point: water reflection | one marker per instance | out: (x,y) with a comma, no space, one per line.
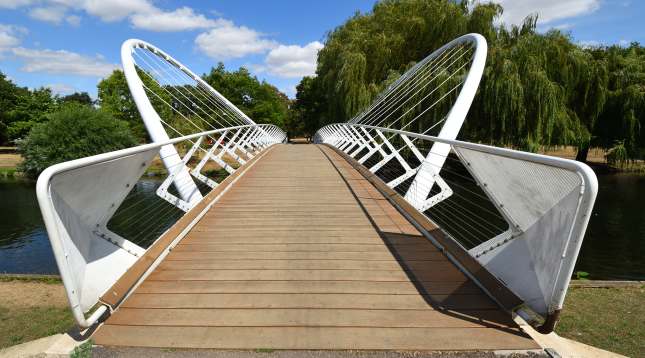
(24,247)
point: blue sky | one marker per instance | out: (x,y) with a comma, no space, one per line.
(69,45)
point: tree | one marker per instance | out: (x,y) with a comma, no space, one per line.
(114,98)
(538,89)
(262,102)
(78,97)
(73,131)
(9,98)
(308,109)
(31,108)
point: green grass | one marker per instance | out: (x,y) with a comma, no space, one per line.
(8,172)
(26,324)
(51,279)
(607,318)
(82,351)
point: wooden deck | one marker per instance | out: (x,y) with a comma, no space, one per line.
(304,253)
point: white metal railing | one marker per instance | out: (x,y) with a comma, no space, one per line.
(520,215)
(100,218)
(103,212)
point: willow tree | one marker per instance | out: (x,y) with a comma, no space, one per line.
(538,89)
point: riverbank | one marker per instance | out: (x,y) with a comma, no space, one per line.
(32,307)
(609,318)
(9,161)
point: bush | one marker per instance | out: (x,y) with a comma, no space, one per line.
(72,132)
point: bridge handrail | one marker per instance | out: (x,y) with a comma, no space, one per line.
(79,197)
(535,257)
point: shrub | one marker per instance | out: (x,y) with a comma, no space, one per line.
(72,132)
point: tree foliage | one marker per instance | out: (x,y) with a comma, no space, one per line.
(114,98)
(21,109)
(538,89)
(261,101)
(73,131)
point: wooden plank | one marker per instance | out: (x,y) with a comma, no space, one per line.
(452,275)
(449,339)
(389,265)
(299,255)
(319,247)
(356,287)
(324,317)
(308,300)
(311,238)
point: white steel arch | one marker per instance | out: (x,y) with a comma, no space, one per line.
(153,123)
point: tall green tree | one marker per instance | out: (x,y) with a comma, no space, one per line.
(538,89)
(31,108)
(114,98)
(259,100)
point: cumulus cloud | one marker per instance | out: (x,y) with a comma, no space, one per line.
(142,14)
(227,41)
(178,20)
(548,10)
(52,14)
(114,10)
(293,61)
(63,62)
(14,4)
(10,36)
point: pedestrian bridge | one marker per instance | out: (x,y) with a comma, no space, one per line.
(380,236)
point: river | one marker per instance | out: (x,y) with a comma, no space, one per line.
(614,246)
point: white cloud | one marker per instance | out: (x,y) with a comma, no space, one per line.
(178,20)
(14,4)
(61,88)
(114,10)
(63,62)
(293,61)
(9,36)
(227,41)
(548,10)
(52,14)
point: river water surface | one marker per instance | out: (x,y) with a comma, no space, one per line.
(614,247)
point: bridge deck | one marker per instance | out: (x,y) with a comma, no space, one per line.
(304,253)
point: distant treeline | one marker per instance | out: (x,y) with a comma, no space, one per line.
(49,128)
(538,89)
(21,108)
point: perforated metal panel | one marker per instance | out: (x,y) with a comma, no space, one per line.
(524,191)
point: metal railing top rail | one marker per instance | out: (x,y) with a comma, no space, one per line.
(79,197)
(559,204)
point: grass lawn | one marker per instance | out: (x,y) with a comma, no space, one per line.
(32,308)
(609,318)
